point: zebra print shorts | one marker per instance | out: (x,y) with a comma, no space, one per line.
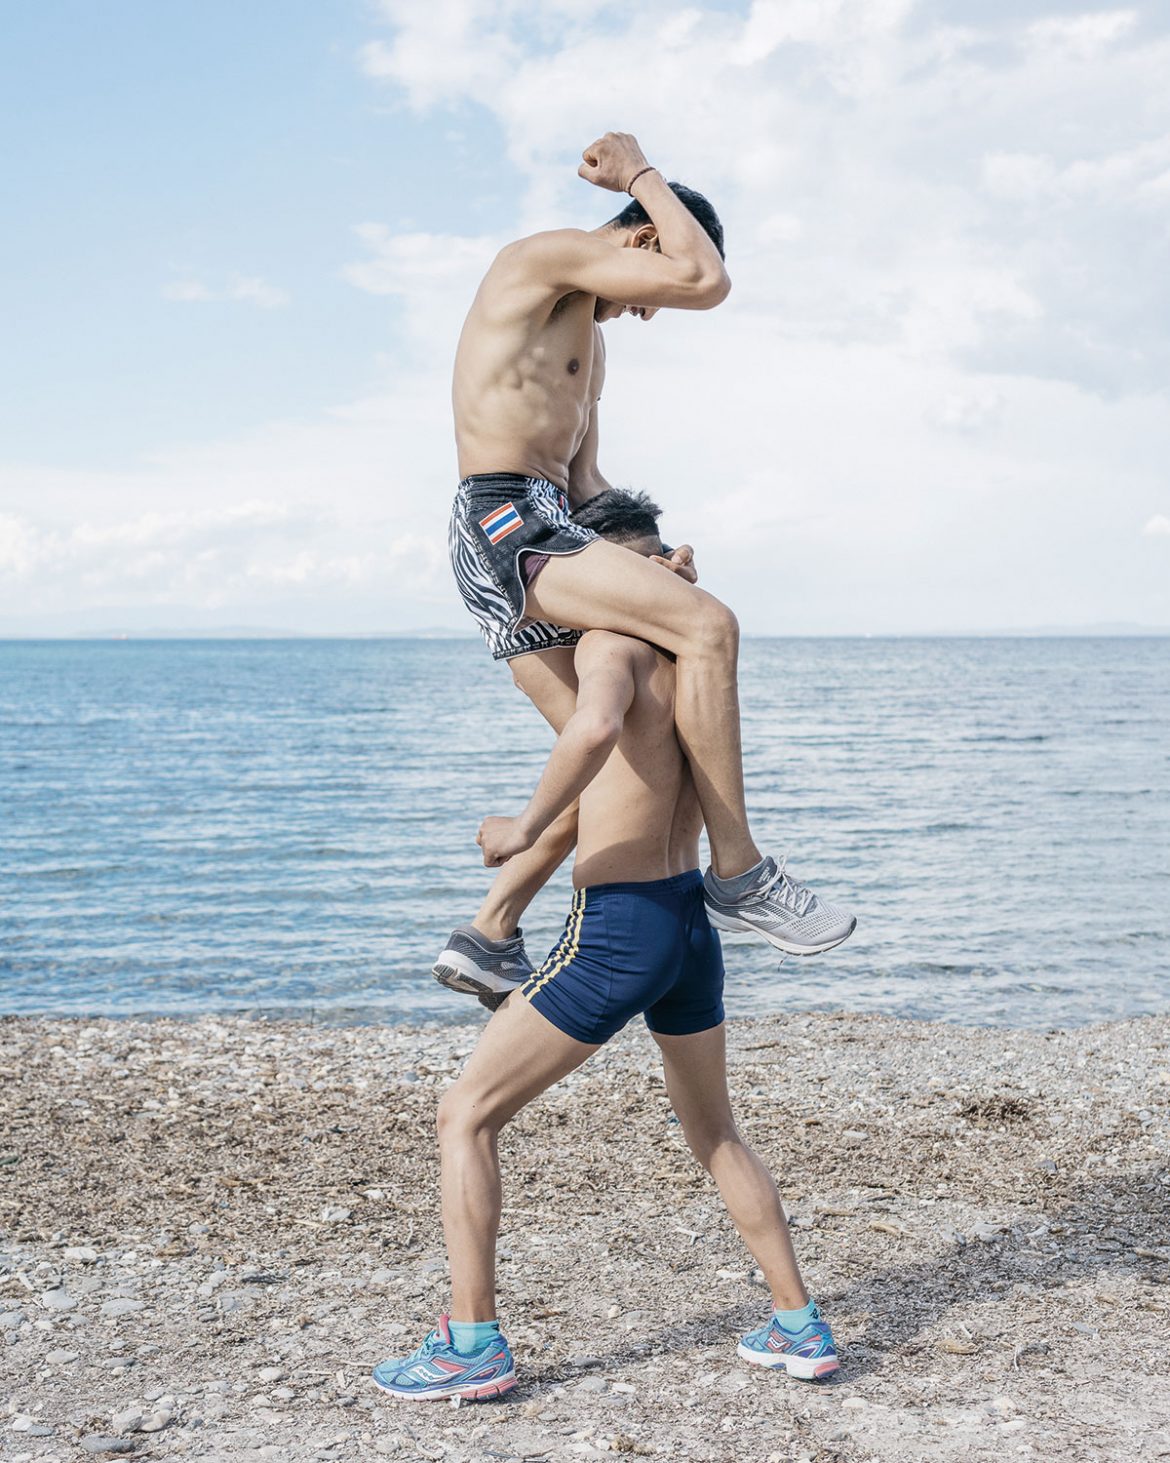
(497,518)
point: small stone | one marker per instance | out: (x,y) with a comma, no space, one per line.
(988,1233)
(1047,1166)
(156,1421)
(61,1358)
(198,1228)
(10,1320)
(272,1374)
(613,1313)
(127,1421)
(855,1135)
(854,1403)
(1084,1329)
(57,1300)
(97,1443)
(83,1254)
(335,1213)
(591,1384)
(39,1430)
(122,1306)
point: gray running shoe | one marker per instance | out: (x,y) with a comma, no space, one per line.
(489,969)
(785,913)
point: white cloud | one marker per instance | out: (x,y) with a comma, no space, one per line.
(1157,527)
(1083,36)
(434,275)
(208,558)
(250,289)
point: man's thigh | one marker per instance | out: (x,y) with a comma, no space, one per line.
(549,680)
(605,587)
(695,1068)
(519,1055)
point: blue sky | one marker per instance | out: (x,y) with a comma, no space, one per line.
(154,144)
(241,239)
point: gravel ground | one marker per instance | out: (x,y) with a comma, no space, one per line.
(210,1231)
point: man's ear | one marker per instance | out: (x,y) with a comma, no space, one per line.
(647,238)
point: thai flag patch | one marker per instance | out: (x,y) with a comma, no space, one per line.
(501,522)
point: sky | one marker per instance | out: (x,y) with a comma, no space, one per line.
(240,241)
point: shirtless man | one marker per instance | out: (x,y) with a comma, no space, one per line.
(528,375)
(637,941)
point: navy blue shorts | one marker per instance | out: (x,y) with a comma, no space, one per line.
(628,950)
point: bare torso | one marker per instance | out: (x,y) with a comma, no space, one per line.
(528,371)
(639,817)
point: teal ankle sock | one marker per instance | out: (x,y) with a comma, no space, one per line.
(795,1320)
(468,1337)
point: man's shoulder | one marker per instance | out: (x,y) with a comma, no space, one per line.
(547,252)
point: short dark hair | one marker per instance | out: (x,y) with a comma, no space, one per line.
(620,515)
(633,216)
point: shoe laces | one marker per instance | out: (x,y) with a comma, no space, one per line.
(427,1349)
(792,896)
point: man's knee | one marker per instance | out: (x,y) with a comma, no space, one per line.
(705,1139)
(716,630)
(460,1116)
(455,1114)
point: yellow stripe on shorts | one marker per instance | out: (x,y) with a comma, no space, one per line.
(564,951)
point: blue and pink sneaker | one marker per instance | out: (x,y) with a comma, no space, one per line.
(808,1353)
(437,1370)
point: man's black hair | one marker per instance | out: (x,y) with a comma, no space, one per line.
(620,515)
(633,216)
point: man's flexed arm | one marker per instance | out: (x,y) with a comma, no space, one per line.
(617,162)
(680,268)
(605,674)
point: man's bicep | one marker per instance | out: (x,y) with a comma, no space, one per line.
(571,259)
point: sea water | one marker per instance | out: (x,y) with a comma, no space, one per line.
(287,827)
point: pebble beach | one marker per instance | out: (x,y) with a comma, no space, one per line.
(211,1230)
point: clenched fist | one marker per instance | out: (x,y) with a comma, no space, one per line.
(612,161)
(501,839)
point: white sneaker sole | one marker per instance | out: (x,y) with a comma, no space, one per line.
(804,1368)
(481,1392)
(460,973)
(733,924)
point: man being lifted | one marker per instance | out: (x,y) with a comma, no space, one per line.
(528,374)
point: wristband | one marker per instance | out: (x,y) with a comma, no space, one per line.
(649,168)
